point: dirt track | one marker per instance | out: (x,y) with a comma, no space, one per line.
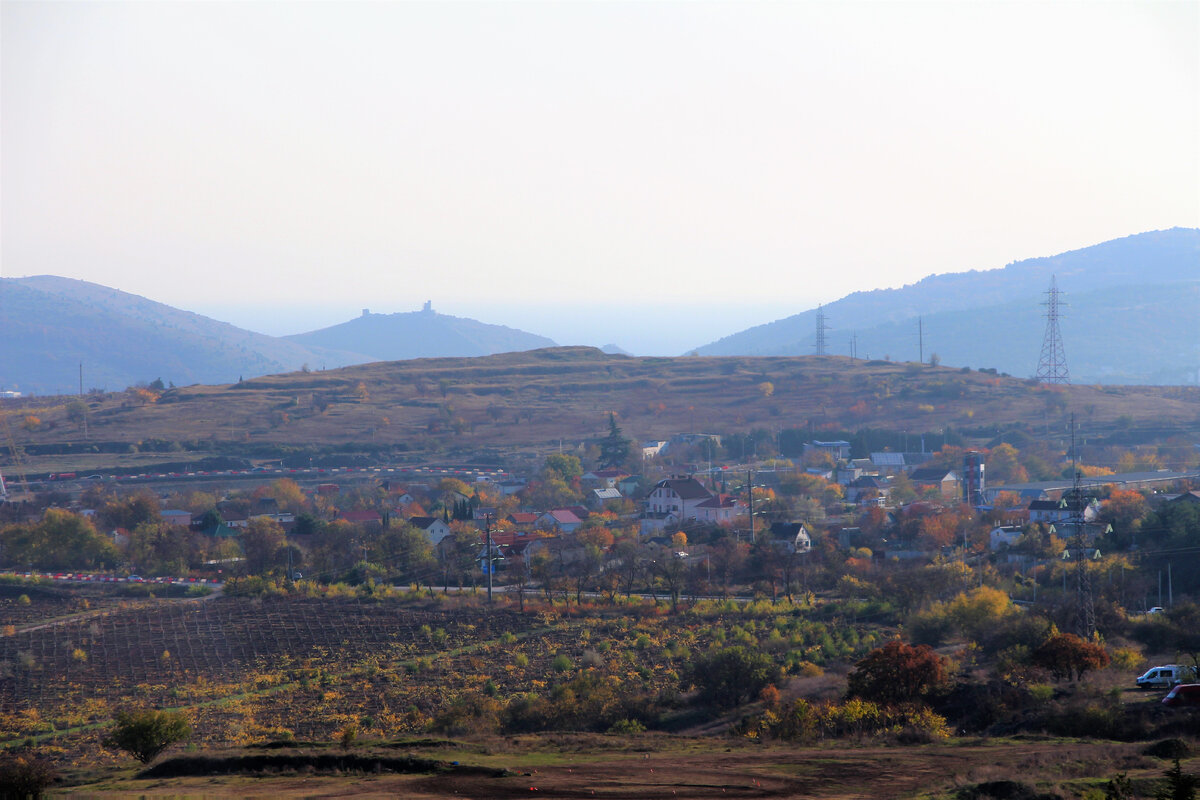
(825,773)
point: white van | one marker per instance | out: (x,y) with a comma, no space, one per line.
(1166,676)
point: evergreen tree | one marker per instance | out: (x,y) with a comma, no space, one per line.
(1179,785)
(614,448)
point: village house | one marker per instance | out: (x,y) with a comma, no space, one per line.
(720,509)
(523,519)
(867,488)
(790,537)
(434,528)
(601,496)
(679,496)
(651,449)
(510,486)
(173,516)
(1004,536)
(1053,512)
(945,481)
(560,519)
(837,451)
(603,478)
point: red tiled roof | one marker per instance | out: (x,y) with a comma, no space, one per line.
(719,501)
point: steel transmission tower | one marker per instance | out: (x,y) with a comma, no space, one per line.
(822,329)
(1052,366)
(1085,607)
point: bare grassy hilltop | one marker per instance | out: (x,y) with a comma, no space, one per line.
(537,398)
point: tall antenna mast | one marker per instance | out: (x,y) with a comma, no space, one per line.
(921,339)
(822,329)
(1052,366)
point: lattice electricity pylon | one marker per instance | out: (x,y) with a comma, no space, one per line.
(1085,607)
(822,329)
(1052,366)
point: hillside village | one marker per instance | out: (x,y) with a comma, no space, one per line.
(722,586)
(565,524)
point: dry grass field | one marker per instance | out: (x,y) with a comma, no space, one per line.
(535,399)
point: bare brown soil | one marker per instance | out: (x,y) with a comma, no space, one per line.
(711,769)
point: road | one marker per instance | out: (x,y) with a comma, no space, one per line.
(74,482)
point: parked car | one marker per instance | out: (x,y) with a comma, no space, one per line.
(1166,676)
(1183,696)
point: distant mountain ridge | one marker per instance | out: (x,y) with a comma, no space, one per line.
(420,334)
(51,325)
(1132,315)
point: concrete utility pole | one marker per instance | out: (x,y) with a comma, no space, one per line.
(487,529)
(750,500)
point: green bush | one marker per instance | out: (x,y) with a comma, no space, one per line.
(627,726)
(730,676)
(145,734)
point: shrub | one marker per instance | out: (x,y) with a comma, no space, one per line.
(897,673)
(24,776)
(1127,659)
(1041,693)
(807,669)
(931,627)
(627,726)
(1066,655)
(348,736)
(729,676)
(145,734)
(923,726)
(1169,748)
(470,712)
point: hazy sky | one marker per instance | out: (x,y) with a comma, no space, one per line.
(706,166)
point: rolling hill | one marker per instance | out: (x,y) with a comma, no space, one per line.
(517,403)
(1131,315)
(420,334)
(51,325)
